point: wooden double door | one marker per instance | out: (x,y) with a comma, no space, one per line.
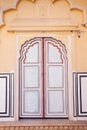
(43,79)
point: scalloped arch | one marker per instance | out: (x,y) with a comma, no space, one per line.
(14,6)
(72,6)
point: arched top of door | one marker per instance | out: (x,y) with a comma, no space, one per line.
(49,40)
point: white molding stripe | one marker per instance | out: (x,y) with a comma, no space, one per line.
(70,94)
(11,95)
(75,96)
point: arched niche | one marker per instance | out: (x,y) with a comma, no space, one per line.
(4,7)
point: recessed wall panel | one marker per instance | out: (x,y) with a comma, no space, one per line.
(6,97)
(84,93)
(81,88)
(3,93)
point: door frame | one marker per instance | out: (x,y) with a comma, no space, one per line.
(62,50)
(69,54)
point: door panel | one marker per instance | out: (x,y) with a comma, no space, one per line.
(31,101)
(32,56)
(55,75)
(55,101)
(43,79)
(53,54)
(31,76)
(55,83)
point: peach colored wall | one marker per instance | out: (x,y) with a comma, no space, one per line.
(26,9)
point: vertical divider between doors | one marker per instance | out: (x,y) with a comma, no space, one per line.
(43,75)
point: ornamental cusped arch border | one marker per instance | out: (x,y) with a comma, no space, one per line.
(14,7)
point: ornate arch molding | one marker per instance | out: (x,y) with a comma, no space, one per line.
(29,43)
(14,6)
(76,7)
(6,9)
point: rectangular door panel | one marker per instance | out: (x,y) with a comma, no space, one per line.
(31,102)
(31,76)
(55,74)
(55,102)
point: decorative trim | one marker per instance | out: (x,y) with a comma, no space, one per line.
(14,7)
(59,45)
(81,113)
(61,57)
(77,92)
(63,126)
(50,24)
(75,95)
(7,77)
(29,62)
(26,46)
(9,107)
(76,7)
(11,94)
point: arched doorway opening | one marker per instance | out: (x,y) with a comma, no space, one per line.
(43,79)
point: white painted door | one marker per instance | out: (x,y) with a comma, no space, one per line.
(43,79)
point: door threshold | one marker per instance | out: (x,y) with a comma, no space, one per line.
(42,122)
